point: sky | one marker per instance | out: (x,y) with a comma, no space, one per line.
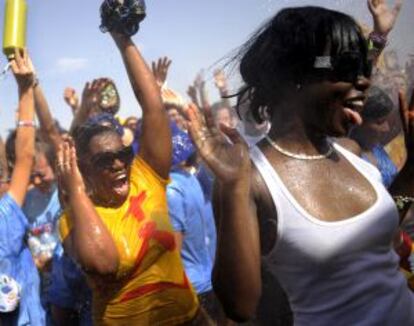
(68,49)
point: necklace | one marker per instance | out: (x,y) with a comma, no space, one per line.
(300,156)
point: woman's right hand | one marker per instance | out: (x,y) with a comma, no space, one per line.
(229,161)
(70,179)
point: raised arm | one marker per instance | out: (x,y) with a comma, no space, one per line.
(90,102)
(384,18)
(220,81)
(236,274)
(89,241)
(155,142)
(47,124)
(24,146)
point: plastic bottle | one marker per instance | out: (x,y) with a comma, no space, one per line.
(14,34)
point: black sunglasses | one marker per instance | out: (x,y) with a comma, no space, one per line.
(345,67)
(105,160)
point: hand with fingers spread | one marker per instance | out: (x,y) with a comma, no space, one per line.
(383,15)
(407,119)
(69,177)
(71,98)
(23,70)
(160,70)
(220,155)
(91,95)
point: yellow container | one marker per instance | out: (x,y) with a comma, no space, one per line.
(14,33)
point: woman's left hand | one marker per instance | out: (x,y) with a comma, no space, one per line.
(384,17)
(407,120)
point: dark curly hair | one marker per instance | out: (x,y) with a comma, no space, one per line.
(283,52)
(83,134)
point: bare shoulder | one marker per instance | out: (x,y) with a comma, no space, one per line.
(349,144)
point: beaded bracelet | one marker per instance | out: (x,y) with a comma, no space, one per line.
(403,201)
(26,123)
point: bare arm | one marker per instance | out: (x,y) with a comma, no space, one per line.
(47,124)
(384,19)
(236,275)
(90,102)
(89,241)
(220,81)
(24,146)
(155,144)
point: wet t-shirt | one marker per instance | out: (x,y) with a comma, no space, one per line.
(151,287)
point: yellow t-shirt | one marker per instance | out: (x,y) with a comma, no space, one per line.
(151,287)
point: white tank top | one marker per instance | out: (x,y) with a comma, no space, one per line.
(338,273)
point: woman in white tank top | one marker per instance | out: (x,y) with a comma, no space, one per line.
(318,215)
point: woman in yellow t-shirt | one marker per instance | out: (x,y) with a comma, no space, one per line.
(116,223)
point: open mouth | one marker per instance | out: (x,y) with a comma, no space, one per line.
(121,184)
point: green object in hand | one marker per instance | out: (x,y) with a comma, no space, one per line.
(14,33)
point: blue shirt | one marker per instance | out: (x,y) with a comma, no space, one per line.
(384,164)
(42,208)
(69,289)
(16,261)
(191,216)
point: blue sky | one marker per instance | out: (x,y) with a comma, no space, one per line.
(68,48)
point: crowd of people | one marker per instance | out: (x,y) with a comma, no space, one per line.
(288,202)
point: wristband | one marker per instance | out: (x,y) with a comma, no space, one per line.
(26,123)
(376,41)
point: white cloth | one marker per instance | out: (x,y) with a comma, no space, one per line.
(338,273)
(9,293)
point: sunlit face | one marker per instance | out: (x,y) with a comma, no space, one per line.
(333,108)
(106,168)
(177,118)
(42,176)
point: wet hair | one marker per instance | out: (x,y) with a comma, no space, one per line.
(282,52)
(378,105)
(83,134)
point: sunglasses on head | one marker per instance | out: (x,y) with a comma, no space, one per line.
(105,160)
(345,67)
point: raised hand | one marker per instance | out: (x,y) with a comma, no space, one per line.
(192,93)
(229,161)
(160,70)
(407,119)
(384,17)
(70,179)
(220,80)
(23,69)
(71,98)
(91,96)
(199,81)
